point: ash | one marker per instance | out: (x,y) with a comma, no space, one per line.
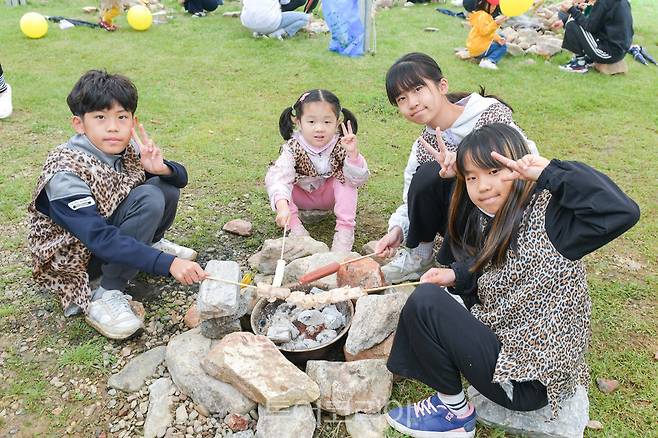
(293,328)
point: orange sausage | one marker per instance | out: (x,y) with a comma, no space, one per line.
(319,273)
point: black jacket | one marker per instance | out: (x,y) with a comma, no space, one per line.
(610,22)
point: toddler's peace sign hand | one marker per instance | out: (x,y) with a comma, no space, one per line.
(443,156)
(527,168)
(349,140)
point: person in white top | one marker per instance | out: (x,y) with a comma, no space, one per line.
(416,85)
(265,18)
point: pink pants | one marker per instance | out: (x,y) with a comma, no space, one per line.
(333,195)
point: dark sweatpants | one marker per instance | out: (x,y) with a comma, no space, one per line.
(194,6)
(581,42)
(309,5)
(146,213)
(437,340)
(428,201)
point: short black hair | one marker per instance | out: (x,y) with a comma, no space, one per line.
(98,90)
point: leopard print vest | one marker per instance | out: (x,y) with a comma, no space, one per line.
(538,305)
(304,166)
(59,258)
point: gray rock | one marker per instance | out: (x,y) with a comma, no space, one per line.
(314,216)
(571,421)
(159,415)
(217,298)
(299,267)
(375,317)
(133,375)
(295,247)
(242,434)
(217,328)
(181,415)
(514,49)
(366,425)
(350,387)
(296,421)
(548,45)
(510,34)
(183,358)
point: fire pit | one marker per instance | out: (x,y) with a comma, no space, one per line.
(312,341)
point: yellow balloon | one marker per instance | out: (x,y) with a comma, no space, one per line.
(513,8)
(139,17)
(33,25)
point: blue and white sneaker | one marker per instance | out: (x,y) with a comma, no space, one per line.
(430,418)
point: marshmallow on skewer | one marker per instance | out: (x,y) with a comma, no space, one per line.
(272,293)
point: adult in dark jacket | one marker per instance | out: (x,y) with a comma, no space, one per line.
(603,36)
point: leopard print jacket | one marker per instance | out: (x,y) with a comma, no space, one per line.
(304,165)
(538,305)
(496,113)
(59,258)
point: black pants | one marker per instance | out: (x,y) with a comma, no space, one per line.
(309,5)
(146,213)
(580,42)
(428,201)
(194,6)
(437,340)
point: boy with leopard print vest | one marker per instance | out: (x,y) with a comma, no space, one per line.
(101,207)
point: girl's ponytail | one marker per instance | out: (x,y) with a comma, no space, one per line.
(349,117)
(285,123)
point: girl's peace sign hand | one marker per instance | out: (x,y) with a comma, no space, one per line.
(443,156)
(527,168)
(349,140)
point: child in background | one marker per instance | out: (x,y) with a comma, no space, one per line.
(6,107)
(319,167)
(519,226)
(265,18)
(101,207)
(483,42)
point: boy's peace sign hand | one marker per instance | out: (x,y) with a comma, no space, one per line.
(150,155)
(443,156)
(349,140)
(527,168)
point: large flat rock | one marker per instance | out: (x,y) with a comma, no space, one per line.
(135,373)
(299,267)
(159,415)
(375,318)
(216,298)
(350,387)
(183,357)
(295,247)
(255,366)
(294,422)
(570,423)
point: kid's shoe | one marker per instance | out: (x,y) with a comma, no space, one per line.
(277,34)
(198,14)
(405,267)
(174,249)
(6,107)
(107,26)
(578,64)
(298,231)
(343,241)
(112,315)
(488,64)
(430,418)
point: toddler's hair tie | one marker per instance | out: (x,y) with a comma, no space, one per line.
(303,96)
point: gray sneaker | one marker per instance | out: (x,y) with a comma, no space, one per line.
(405,267)
(112,315)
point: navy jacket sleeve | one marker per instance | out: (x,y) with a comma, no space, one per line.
(178,177)
(106,241)
(586,211)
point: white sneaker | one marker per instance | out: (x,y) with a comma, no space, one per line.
(487,63)
(172,248)
(6,107)
(405,267)
(112,316)
(343,241)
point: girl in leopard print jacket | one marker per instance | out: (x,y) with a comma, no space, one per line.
(519,225)
(319,166)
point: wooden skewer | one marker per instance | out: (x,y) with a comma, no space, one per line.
(376,289)
(237,283)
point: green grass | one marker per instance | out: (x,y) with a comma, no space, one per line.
(211,96)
